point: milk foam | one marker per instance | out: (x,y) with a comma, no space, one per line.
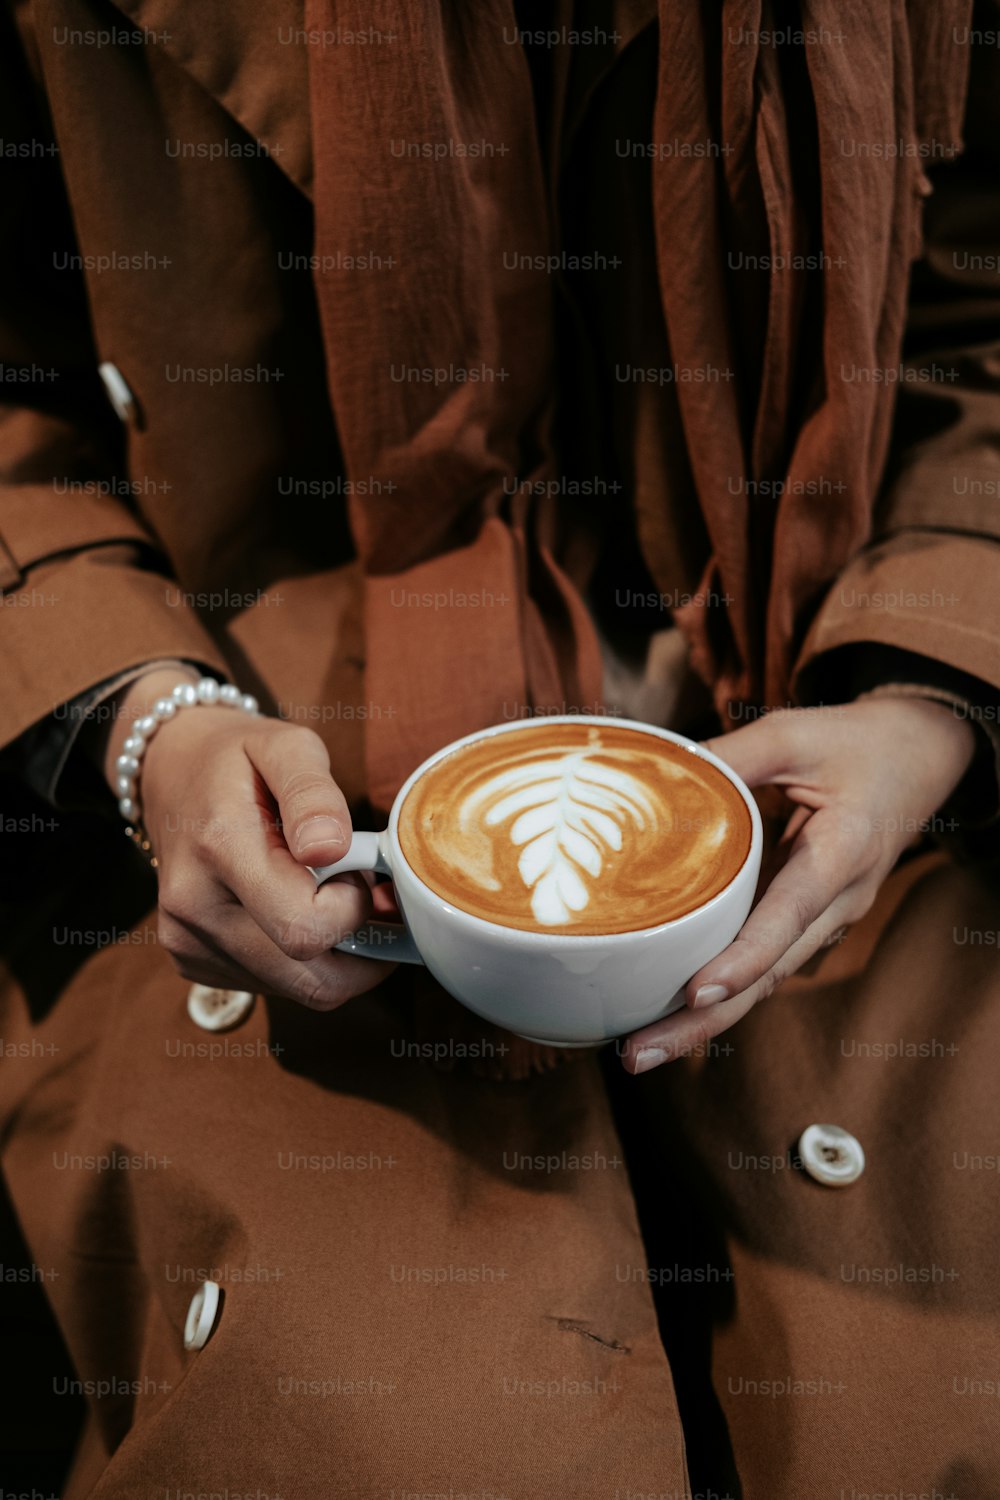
(576,828)
(565,811)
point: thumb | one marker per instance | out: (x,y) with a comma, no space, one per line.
(759,752)
(314,815)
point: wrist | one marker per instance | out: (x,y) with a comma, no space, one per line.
(134,702)
(937,710)
(205,692)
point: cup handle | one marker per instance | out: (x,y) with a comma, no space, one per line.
(369,851)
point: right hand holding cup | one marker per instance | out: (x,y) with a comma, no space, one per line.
(236,809)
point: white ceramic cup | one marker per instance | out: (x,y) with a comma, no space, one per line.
(570,991)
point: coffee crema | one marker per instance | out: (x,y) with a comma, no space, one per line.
(575,829)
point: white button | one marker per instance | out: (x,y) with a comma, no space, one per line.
(830,1155)
(119,395)
(218,1010)
(201,1315)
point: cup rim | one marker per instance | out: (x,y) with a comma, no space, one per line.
(583,939)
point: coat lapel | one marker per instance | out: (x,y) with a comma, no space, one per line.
(252,58)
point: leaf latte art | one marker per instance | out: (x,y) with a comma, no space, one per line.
(573,828)
(565,813)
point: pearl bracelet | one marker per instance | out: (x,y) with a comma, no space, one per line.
(206,692)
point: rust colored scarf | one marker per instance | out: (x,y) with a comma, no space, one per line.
(440,358)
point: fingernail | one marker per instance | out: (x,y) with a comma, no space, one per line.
(710,994)
(316,831)
(649,1057)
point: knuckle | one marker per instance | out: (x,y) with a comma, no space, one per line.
(299,739)
(754,954)
(697,1040)
(868,860)
(860,901)
(301,939)
(293,733)
(768,983)
(750,944)
(178,943)
(174,907)
(300,789)
(212,837)
(803,912)
(312,990)
(799,916)
(184,891)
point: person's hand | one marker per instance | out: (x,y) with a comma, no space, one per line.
(865,779)
(236,808)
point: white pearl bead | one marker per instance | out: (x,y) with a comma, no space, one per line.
(185,694)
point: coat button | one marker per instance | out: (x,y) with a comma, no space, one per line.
(830,1155)
(201,1315)
(118,392)
(218,1010)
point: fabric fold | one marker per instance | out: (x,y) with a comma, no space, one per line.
(440,371)
(441,363)
(430,169)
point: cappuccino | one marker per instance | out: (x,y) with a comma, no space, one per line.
(575,828)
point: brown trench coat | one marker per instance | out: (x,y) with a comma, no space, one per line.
(435,1282)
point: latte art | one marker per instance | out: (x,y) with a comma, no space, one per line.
(575,828)
(565,814)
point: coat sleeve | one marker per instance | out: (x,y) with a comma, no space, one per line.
(85,592)
(928,584)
